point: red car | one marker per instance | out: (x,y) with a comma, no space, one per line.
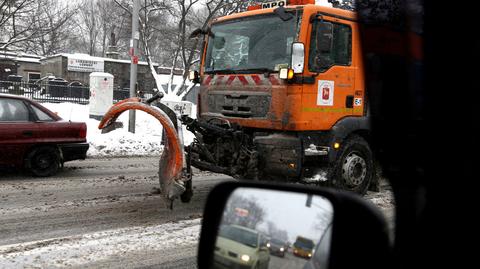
(37,139)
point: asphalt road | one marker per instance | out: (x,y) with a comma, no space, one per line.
(106,213)
(288,262)
(92,196)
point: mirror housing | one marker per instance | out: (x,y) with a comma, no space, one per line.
(359,233)
(199,31)
(196,33)
(194,76)
(298,57)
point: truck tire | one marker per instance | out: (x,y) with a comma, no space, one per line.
(354,168)
(43,161)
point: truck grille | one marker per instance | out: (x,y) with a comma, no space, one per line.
(239,105)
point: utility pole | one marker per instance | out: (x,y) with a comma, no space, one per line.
(134,61)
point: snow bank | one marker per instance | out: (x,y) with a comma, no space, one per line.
(145,142)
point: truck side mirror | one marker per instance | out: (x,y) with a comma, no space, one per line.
(235,212)
(298,57)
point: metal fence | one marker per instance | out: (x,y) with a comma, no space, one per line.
(56,91)
(49,91)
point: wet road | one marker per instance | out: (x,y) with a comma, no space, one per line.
(104,213)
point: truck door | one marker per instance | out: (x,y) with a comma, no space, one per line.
(332,96)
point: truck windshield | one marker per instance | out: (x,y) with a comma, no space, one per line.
(251,44)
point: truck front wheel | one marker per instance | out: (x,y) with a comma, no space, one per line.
(354,168)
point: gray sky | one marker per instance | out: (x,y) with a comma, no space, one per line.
(288,211)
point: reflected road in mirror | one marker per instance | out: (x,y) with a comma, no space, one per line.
(274,229)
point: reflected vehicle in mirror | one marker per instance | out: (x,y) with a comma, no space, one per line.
(277,247)
(303,247)
(257,223)
(240,247)
(253,225)
(320,254)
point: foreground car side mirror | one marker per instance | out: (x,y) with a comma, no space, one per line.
(325,228)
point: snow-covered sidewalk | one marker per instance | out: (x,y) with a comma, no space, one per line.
(145,142)
(98,246)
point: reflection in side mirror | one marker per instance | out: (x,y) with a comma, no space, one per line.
(263,228)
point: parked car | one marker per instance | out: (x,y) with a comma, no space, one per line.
(241,247)
(35,138)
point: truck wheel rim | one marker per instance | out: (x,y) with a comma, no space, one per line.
(354,170)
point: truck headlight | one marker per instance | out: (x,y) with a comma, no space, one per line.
(281,249)
(245,258)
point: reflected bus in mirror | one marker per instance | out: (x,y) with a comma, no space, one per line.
(272,229)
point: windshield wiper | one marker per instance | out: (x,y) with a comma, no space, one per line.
(264,70)
(222,71)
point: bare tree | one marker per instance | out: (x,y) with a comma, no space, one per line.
(55,17)
(172,44)
(189,48)
(276,232)
(25,21)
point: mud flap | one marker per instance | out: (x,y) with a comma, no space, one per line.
(171,165)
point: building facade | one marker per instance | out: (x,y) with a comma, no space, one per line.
(26,65)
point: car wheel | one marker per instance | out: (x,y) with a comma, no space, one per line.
(43,161)
(354,168)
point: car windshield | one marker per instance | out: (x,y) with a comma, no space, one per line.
(277,242)
(240,235)
(249,44)
(304,243)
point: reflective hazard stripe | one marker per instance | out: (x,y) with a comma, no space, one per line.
(244,80)
(273,80)
(207,80)
(230,80)
(218,80)
(257,79)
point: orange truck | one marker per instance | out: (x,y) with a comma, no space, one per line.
(282,97)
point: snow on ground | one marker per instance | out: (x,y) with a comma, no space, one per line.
(94,247)
(120,142)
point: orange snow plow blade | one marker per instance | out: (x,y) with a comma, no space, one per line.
(170,172)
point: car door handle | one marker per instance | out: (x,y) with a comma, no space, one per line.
(27,133)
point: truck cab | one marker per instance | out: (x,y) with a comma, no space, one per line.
(290,79)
